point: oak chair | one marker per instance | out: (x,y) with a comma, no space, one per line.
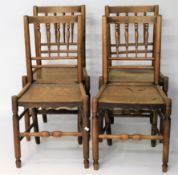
(136,75)
(51,98)
(127,75)
(52,74)
(141,96)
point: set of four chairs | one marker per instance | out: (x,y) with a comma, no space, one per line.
(57,81)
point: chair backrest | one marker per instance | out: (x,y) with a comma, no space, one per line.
(149,10)
(134,46)
(37,25)
(61,11)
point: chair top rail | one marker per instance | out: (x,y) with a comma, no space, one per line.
(58,9)
(132,9)
(52,19)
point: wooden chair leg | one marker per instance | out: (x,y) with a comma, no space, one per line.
(167,124)
(16,131)
(161,127)
(86,131)
(112,119)
(108,126)
(88,93)
(27,123)
(79,125)
(45,119)
(35,121)
(27,115)
(154,127)
(165,84)
(89,111)
(95,142)
(100,82)
(100,123)
(166,135)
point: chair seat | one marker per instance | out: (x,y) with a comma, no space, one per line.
(132,76)
(131,94)
(51,94)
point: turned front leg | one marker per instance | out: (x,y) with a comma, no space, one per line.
(86,131)
(95,137)
(17,147)
(166,136)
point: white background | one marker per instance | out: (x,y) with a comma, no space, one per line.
(64,156)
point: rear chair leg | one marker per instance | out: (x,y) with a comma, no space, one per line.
(27,123)
(89,110)
(161,127)
(45,119)
(166,136)
(35,121)
(95,137)
(79,125)
(154,127)
(165,84)
(100,123)
(108,126)
(16,131)
(111,116)
(86,131)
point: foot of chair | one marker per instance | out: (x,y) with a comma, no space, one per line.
(112,119)
(153,143)
(18,163)
(151,120)
(86,163)
(45,120)
(28,139)
(80,140)
(95,165)
(100,140)
(164,167)
(37,140)
(109,142)
(154,118)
